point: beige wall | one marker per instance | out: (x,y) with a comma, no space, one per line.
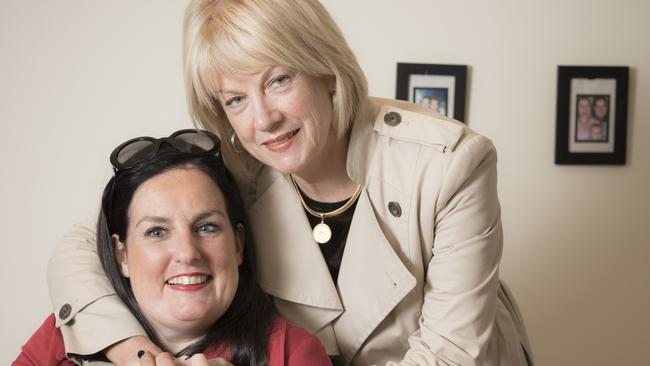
(78,77)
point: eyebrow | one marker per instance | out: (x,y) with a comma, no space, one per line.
(157,219)
(206,214)
(265,75)
(199,217)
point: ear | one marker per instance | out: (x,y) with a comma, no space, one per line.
(240,239)
(120,255)
(330,81)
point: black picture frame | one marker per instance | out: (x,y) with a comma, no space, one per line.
(445,84)
(600,137)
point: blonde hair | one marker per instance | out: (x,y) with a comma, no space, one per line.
(234,37)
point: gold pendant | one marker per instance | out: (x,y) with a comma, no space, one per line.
(322,233)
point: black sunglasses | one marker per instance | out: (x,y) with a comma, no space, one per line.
(141,149)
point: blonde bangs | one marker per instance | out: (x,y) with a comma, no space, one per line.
(222,49)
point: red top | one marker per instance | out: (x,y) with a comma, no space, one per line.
(288,346)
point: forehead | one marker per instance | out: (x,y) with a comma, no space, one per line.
(242,78)
(179,190)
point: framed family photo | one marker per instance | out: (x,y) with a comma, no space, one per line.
(438,87)
(591,121)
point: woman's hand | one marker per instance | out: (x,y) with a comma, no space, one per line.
(125,353)
(166,359)
(200,360)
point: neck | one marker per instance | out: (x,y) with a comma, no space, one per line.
(327,180)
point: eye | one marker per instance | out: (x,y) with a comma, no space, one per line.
(207,228)
(234,101)
(155,232)
(280,81)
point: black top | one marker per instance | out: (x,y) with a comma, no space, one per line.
(339,225)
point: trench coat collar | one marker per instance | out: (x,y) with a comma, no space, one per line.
(372,279)
(289,260)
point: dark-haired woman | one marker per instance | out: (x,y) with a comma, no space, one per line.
(172,241)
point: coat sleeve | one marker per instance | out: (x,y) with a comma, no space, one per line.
(88,312)
(462,279)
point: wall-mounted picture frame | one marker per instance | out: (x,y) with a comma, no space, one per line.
(591,120)
(438,87)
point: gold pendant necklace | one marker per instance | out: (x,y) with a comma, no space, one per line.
(322,232)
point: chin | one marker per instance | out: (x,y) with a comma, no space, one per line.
(287,166)
(193,312)
(287,162)
(191,316)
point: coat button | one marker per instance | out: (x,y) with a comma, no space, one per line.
(65,311)
(395,209)
(392,118)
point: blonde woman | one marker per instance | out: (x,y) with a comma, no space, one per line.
(377,222)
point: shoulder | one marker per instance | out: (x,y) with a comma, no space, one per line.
(407,140)
(297,345)
(44,347)
(412,123)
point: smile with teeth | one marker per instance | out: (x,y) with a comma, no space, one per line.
(188,280)
(282,139)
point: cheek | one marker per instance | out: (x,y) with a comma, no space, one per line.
(238,125)
(242,122)
(224,262)
(147,267)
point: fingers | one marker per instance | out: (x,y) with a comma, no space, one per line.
(162,359)
(165,359)
(147,359)
(219,362)
(199,359)
(125,352)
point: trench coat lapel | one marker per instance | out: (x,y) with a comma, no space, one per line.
(372,280)
(291,265)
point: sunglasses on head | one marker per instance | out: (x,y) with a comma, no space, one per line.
(141,149)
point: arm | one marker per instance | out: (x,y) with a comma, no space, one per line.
(460,293)
(88,312)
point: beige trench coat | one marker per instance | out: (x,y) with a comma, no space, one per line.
(418,283)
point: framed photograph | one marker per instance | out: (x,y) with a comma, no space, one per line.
(438,87)
(591,121)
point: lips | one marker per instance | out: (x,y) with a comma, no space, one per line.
(280,140)
(188,279)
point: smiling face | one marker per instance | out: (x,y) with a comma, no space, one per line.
(600,109)
(282,118)
(182,253)
(584,108)
(435,104)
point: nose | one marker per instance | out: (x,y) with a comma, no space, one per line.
(187,251)
(267,115)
